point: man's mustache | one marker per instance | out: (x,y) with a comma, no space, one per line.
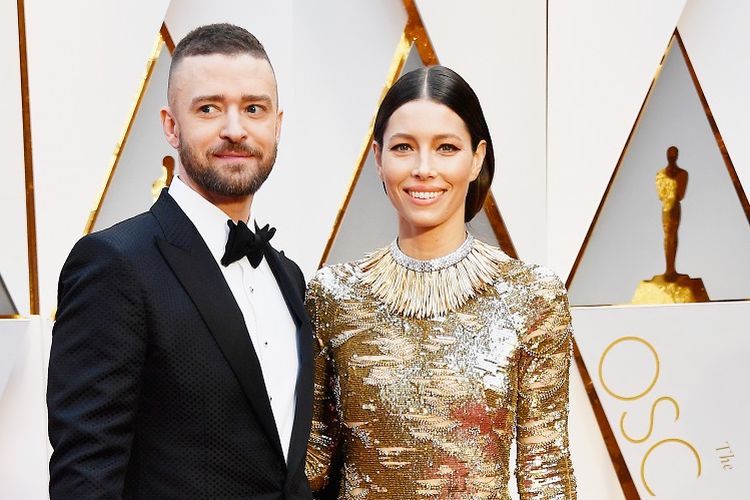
(236,148)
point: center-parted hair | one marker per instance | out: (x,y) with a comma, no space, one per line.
(221,38)
(444,86)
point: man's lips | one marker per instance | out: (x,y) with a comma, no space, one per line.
(233,155)
(233,158)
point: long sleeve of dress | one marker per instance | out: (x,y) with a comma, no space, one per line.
(325,424)
(544,469)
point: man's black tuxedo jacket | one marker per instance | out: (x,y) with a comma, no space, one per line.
(155,390)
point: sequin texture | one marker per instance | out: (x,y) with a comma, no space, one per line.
(430,407)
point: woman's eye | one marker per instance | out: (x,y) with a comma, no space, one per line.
(447,148)
(401,147)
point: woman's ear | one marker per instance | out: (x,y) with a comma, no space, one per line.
(378,152)
(478,159)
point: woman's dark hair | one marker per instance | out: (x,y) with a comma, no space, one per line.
(444,86)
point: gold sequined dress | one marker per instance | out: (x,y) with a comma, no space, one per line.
(428,371)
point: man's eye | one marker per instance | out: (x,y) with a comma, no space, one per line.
(206,108)
(253,108)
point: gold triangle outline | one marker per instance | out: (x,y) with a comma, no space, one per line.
(28,160)
(414,35)
(675,38)
(163,39)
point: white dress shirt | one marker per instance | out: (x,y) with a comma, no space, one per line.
(268,319)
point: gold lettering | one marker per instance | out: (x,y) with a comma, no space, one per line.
(725,447)
(651,420)
(653,380)
(660,443)
(725,458)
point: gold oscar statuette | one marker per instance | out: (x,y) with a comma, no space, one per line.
(670,287)
(167,172)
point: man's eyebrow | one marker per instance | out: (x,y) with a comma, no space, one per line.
(204,98)
(265,98)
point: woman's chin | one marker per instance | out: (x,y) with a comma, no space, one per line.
(421,224)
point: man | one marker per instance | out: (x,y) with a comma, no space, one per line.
(181,357)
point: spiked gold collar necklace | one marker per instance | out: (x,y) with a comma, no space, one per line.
(435,287)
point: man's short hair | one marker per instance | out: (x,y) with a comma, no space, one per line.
(221,38)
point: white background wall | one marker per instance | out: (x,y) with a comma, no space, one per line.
(13,257)
(561,85)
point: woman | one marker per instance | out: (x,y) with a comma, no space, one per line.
(434,353)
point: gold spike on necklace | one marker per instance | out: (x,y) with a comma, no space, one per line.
(429,288)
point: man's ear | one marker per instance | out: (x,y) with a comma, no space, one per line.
(279,120)
(170,127)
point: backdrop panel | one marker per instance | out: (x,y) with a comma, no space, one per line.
(672,383)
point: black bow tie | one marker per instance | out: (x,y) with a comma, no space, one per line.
(243,242)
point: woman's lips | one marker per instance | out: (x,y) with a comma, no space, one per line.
(423,196)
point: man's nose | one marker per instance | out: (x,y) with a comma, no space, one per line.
(233,129)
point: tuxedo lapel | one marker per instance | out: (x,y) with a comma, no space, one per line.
(196,269)
(292,293)
(289,289)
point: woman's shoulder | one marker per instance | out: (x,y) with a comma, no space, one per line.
(330,295)
(537,301)
(336,280)
(527,278)
(529,289)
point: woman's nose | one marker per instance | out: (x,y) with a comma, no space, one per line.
(423,169)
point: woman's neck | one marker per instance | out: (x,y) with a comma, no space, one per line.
(430,243)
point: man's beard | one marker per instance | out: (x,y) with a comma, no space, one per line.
(225,180)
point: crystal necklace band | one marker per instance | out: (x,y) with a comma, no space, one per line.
(423,266)
(429,288)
